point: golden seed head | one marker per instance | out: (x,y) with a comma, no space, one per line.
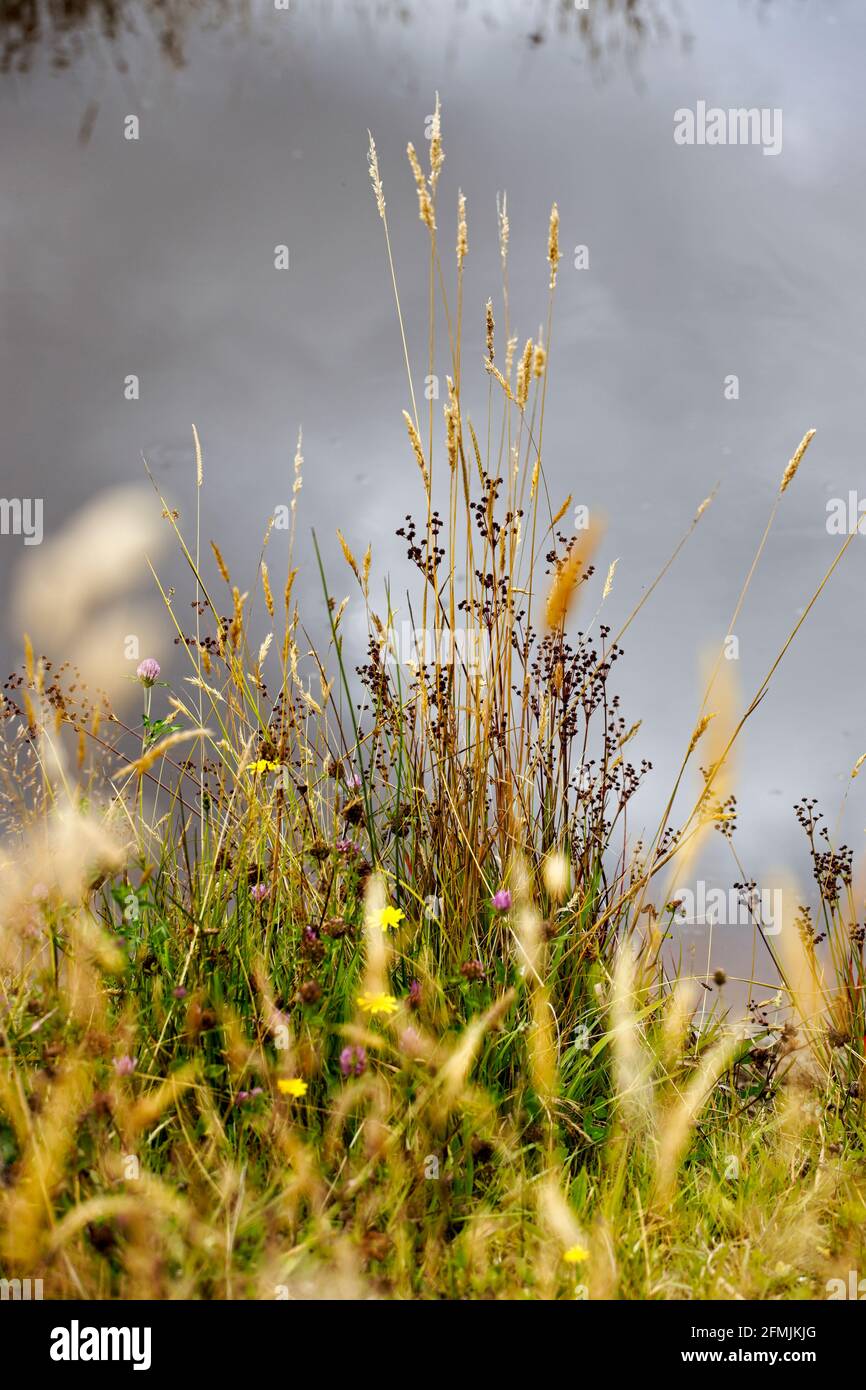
(266,586)
(199,470)
(504,229)
(524,369)
(221,564)
(451,434)
(534,484)
(608,583)
(298,465)
(700,730)
(348,556)
(555,872)
(553,253)
(495,372)
(462,233)
(568,575)
(237,623)
(437,153)
(376,179)
(425,206)
(417,448)
(788,475)
(287,592)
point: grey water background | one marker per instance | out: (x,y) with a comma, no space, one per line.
(156,257)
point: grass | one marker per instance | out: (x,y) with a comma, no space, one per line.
(324,982)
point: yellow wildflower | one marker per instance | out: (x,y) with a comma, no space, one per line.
(292,1086)
(378,1003)
(389,917)
(576,1255)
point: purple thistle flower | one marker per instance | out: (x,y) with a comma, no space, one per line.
(415,994)
(354,780)
(349,847)
(259,891)
(353,1061)
(124,1066)
(180,992)
(502,900)
(148,670)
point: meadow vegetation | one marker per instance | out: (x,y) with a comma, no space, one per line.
(319,981)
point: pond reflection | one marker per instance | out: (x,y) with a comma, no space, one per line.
(63,31)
